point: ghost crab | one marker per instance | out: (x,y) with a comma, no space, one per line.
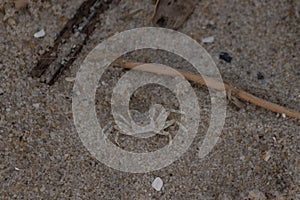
(158,123)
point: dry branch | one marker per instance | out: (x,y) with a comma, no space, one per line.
(212,83)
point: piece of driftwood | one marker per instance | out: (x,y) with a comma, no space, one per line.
(70,41)
(172,13)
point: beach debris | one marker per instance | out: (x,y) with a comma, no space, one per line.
(40,34)
(70,41)
(157,184)
(11,22)
(260,76)
(130,15)
(70,79)
(266,156)
(172,13)
(229,87)
(20,4)
(36,105)
(208,39)
(225,56)
(257,195)
(43,188)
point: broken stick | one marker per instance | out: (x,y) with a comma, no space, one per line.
(212,83)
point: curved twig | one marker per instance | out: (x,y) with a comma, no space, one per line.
(155,9)
(213,83)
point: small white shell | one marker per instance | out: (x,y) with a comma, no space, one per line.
(208,39)
(157,184)
(70,79)
(36,105)
(40,34)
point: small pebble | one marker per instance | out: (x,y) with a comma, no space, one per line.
(225,56)
(208,39)
(284,115)
(20,4)
(243,158)
(266,156)
(257,195)
(260,76)
(1,92)
(70,79)
(105,84)
(40,34)
(36,105)
(42,52)
(157,184)
(11,22)
(17,169)
(42,189)
(52,135)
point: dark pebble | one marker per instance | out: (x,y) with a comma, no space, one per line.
(260,76)
(225,56)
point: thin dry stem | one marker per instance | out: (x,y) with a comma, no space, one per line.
(215,84)
(155,9)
